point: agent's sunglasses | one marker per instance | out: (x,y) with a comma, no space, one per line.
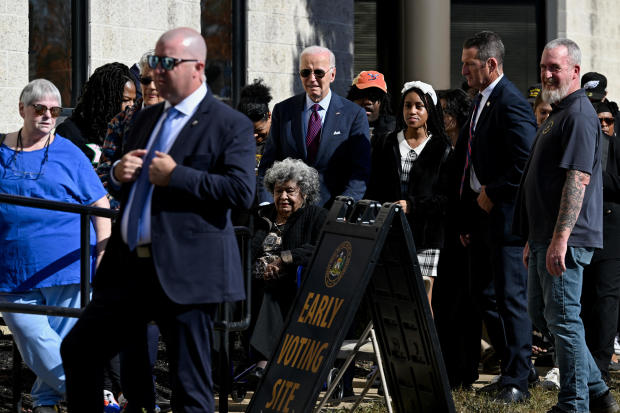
(609,121)
(42,109)
(318,73)
(145,80)
(167,62)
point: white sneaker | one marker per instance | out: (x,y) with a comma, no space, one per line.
(551,380)
(616,346)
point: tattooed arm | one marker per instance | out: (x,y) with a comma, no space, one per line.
(570,205)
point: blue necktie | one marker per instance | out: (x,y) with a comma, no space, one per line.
(143,185)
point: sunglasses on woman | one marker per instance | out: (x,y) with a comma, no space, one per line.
(167,62)
(42,109)
(609,121)
(146,80)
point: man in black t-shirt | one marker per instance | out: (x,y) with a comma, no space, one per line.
(559,211)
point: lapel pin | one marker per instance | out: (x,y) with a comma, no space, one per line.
(488,103)
(195,122)
(337,113)
(337,132)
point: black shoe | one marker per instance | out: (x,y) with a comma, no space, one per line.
(254,377)
(491,389)
(532,378)
(556,409)
(510,394)
(604,403)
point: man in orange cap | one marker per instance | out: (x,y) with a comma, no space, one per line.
(369,90)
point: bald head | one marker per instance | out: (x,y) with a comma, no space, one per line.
(189,50)
(189,40)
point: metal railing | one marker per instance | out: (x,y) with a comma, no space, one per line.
(85,213)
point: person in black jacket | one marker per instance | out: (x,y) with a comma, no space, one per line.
(600,296)
(284,238)
(410,167)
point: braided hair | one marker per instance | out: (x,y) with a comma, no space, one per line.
(435,125)
(101,100)
(254,101)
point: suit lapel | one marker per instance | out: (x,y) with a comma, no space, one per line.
(179,146)
(489,103)
(147,130)
(296,125)
(332,120)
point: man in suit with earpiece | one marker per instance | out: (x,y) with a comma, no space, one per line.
(173,254)
(324,130)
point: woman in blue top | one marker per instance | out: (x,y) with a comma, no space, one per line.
(40,249)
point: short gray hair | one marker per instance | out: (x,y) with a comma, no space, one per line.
(144,61)
(39,89)
(574,53)
(319,50)
(306,177)
(489,45)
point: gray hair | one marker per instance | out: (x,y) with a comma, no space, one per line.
(306,177)
(574,53)
(144,61)
(319,50)
(39,89)
(489,45)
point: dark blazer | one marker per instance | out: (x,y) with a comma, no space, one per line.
(343,159)
(501,146)
(611,203)
(427,193)
(194,246)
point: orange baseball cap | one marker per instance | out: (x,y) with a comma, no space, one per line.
(370,78)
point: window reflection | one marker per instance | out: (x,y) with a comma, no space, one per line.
(216,28)
(49,54)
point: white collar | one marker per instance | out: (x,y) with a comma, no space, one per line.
(323,103)
(486,92)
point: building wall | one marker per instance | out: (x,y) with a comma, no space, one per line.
(278,30)
(13,60)
(123,34)
(595,26)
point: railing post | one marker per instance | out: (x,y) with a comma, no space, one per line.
(85,263)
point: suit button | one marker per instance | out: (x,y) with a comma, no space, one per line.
(607,211)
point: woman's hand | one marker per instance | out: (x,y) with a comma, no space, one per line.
(272,271)
(404,205)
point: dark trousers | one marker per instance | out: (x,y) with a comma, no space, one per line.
(600,300)
(496,266)
(134,298)
(457,316)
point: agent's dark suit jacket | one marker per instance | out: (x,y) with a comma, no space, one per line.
(501,146)
(343,159)
(194,247)
(611,204)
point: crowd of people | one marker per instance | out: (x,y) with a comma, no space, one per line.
(511,199)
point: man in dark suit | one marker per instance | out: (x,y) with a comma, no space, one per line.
(323,129)
(494,147)
(173,254)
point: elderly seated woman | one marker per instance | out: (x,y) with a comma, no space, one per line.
(284,239)
(39,249)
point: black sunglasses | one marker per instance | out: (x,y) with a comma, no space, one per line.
(167,62)
(145,80)
(42,109)
(609,121)
(318,73)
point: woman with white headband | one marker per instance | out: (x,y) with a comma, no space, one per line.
(410,168)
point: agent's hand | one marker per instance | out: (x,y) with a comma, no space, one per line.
(404,205)
(465,239)
(161,169)
(128,169)
(484,201)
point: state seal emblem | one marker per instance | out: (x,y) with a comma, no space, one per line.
(338,263)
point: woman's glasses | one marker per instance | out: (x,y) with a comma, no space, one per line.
(42,109)
(609,121)
(146,80)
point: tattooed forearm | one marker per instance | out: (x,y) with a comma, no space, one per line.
(572,198)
